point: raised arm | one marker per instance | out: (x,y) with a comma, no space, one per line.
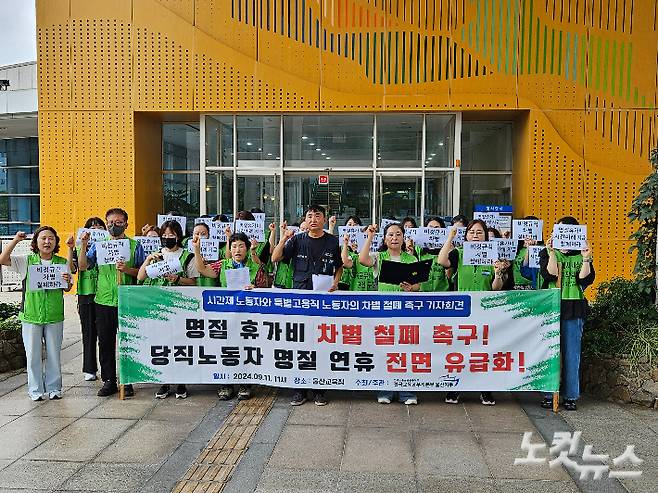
(5,255)
(364,254)
(277,254)
(204,269)
(444,254)
(344,253)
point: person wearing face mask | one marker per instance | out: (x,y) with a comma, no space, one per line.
(42,312)
(391,250)
(474,278)
(107,295)
(241,257)
(86,289)
(571,271)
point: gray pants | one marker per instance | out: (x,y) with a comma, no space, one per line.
(38,380)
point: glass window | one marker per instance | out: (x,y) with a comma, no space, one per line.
(486,146)
(350,195)
(219,141)
(484,189)
(181,193)
(12,229)
(180,146)
(438,193)
(300,191)
(399,197)
(219,193)
(22,209)
(260,192)
(328,141)
(19,180)
(399,140)
(258,140)
(439,141)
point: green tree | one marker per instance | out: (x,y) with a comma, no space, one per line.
(645,211)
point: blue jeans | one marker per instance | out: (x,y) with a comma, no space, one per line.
(38,380)
(403,396)
(571,335)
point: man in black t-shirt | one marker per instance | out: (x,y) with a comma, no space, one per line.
(315,252)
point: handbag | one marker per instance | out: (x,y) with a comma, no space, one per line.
(262,279)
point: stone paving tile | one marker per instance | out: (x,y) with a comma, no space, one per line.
(82,440)
(449,453)
(435,484)
(36,474)
(17,403)
(309,447)
(148,442)
(336,413)
(70,406)
(439,416)
(135,408)
(530,486)
(6,419)
(375,482)
(5,463)
(505,416)
(391,447)
(112,477)
(27,432)
(284,480)
(371,414)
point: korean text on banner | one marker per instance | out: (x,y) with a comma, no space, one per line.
(360,341)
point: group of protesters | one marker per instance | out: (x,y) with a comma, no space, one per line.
(309,250)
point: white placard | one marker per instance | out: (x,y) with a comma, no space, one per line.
(507,249)
(501,222)
(237,278)
(569,237)
(209,248)
(295,229)
(460,237)
(480,253)
(259,217)
(322,282)
(182,220)
(112,251)
(377,240)
(430,238)
(171,265)
(527,228)
(356,234)
(218,230)
(386,222)
(205,220)
(47,276)
(253,229)
(150,244)
(533,256)
(94,235)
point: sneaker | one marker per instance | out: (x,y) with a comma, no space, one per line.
(225,393)
(55,395)
(298,398)
(181,392)
(547,403)
(36,398)
(320,399)
(244,392)
(128,391)
(109,388)
(163,392)
(487,399)
(90,377)
(383,400)
(411,401)
(452,398)
(570,405)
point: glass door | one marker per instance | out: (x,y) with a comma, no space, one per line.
(259,190)
(399,196)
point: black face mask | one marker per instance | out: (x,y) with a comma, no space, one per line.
(169,242)
(115,230)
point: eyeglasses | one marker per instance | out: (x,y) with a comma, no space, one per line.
(117,223)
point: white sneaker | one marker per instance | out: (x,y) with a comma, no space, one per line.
(383,400)
(90,377)
(55,395)
(411,401)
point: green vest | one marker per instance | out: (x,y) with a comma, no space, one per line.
(519,280)
(107,290)
(405,258)
(206,282)
(87,279)
(438,281)
(228,264)
(363,277)
(41,306)
(348,276)
(473,277)
(185,259)
(283,276)
(570,266)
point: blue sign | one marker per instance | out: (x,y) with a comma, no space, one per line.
(505,209)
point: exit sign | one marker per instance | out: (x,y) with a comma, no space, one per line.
(323,179)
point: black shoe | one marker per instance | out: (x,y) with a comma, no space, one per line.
(128,391)
(162,392)
(320,399)
(225,392)
(181,391)
(109,388)
(298,398)
(452,398)
(547,403)
(570,405)
(487,399)
(244,392)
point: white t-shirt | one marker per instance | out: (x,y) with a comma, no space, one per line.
(19,264)
(191,271)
